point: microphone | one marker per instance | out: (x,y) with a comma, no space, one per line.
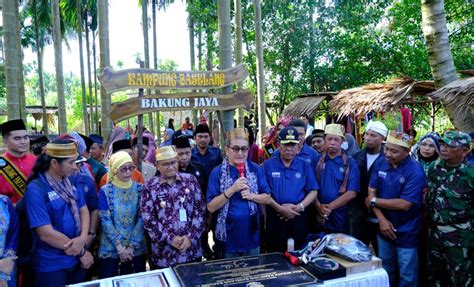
(241,169)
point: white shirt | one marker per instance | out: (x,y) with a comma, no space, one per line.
(371,158)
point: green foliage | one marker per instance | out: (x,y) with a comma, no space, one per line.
(320,45)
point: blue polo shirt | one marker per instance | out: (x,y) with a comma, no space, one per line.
(44,206)
(243,232)
(87,185)
(211,159)
(331,178)
(406,182)
(289,184)
(306,153)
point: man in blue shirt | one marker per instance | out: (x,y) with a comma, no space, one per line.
(338,177)
(293,188)
(204,154)
(396,197)
(304,151)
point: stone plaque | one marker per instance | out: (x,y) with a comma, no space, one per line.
(263,270)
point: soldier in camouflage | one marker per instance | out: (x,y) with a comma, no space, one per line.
(450,203)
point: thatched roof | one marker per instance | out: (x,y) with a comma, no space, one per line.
(36,110)
(307,105)
(460,95)
(381,97)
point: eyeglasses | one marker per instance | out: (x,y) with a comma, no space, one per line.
(236,149)
(169,164)
(125,169)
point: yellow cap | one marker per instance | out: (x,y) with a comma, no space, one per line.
(166,152)
(334,129)
(400,139)
(65,150)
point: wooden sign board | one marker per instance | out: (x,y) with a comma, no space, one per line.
(179,102)
(166,80)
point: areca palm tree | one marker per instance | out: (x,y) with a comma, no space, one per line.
(11,37)
(58,62)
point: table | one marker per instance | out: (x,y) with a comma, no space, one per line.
(155,278)
(374,278)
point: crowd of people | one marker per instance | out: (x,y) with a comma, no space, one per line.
(78,209)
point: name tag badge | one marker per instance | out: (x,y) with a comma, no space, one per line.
(52,195)
(182,215)
(275,174)
(382,174)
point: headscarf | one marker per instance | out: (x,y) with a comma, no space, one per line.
(118,133)
(116,161)
(273,137)
(167,142)
(81,147)
(150,156)
(432,137)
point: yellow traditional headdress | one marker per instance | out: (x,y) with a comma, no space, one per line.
(166,152)
(400,139)
(64,150)
(334,129)
(237,134)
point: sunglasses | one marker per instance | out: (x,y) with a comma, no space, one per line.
(236,149)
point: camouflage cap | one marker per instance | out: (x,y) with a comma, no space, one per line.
(456,138)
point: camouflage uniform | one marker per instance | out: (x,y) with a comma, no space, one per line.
(450,204)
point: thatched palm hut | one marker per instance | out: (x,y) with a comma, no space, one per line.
(459,96)
(308,105)
(386,97)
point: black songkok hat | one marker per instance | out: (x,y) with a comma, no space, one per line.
(120,145)
(88,141)
(317,133)
(96,138)
(145,141)
(13,125)
(37,144)
(181,142)
(201,128)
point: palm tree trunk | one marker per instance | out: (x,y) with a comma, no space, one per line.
(39,56)
(260,71)
(238,51)
(21,80)
(225,58)
(155,66)
(58,60)
(11,63)
(147,53)
(439,53)
(192,59)
(103,19)
(81,61)
(89,79)
(96,98)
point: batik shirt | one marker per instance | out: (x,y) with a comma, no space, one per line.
(8,232)
(160,206)
(119,212)
(450,203)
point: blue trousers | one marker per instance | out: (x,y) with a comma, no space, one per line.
(61,277)
(406,259)
(110,267)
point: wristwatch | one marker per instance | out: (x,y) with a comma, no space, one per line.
(301,206)
(373,202)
